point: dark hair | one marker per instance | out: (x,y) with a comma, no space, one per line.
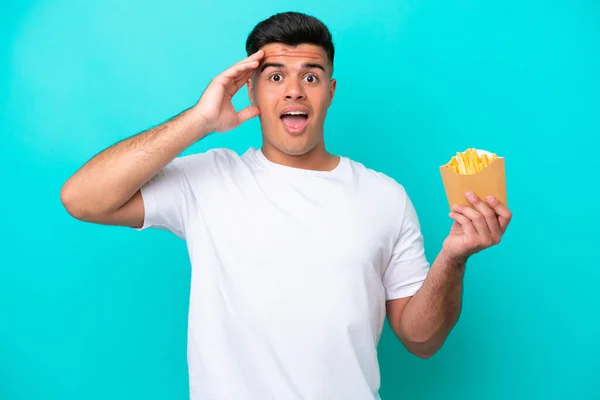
(292,29)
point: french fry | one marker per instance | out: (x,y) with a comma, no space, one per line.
(469,162)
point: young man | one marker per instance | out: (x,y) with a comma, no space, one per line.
(297,255)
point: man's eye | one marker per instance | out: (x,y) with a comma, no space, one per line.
(276,77)
(311,79)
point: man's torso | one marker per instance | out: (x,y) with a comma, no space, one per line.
(287,299)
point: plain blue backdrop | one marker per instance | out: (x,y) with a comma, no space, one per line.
(95,312)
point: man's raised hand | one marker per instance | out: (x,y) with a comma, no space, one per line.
(215,106)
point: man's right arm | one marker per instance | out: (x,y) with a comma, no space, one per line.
(106,190)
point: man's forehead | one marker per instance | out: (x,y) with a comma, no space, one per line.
(303,53)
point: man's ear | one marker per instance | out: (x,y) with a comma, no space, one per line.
(249,83)
(332,87)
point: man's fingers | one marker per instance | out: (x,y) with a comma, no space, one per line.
(235,77)
(252,59)
(237,71)
(242,81)
(465,223)
(248,113)
(504,214)
(476,218)
(488,213)
(233,87)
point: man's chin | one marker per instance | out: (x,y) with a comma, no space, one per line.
(294,151)
(292,147)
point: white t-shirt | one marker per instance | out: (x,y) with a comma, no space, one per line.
(291,269)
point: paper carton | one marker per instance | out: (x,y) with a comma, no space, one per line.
(489,181)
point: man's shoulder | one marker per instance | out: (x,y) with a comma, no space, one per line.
(212,154)
(383,195)
(377,181)
(211,159)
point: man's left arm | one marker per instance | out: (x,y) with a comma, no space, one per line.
(423,322)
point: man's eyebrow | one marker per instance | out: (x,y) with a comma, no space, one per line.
(279,65)
(273,65)
(314,65)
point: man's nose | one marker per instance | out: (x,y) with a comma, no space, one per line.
(294,90)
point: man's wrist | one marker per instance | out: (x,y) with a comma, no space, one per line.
(191,126)
(452,261)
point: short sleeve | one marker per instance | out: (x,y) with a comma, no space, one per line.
(169,199)
(408,266)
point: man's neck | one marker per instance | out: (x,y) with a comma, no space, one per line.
(317,159)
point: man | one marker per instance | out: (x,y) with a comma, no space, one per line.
(297,255)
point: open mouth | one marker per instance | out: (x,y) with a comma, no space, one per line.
(294,121)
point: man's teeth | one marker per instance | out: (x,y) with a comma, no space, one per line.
(295,113)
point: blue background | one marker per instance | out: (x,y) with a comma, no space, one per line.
(95,312)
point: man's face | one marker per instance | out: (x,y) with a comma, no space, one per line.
(293,89)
